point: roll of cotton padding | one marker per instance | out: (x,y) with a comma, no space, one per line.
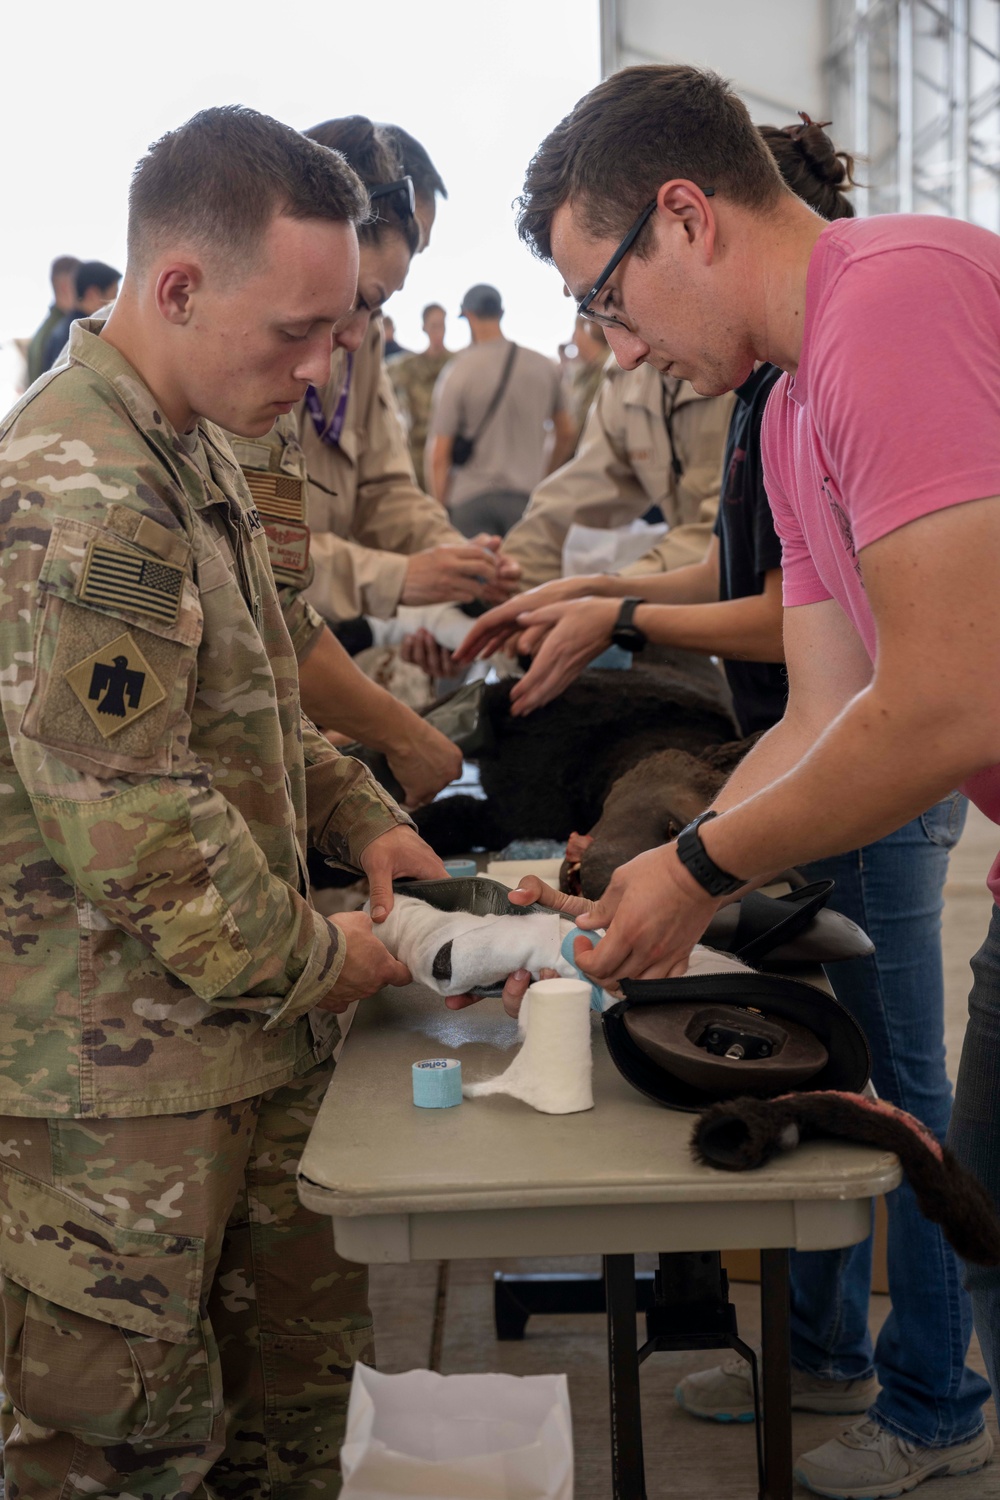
(437,1083)
(460,869)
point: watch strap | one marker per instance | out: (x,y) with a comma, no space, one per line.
(626,633)
(698,862)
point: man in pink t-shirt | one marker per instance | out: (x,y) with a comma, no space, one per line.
(882,451)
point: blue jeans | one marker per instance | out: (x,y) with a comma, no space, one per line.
(893,890)
(975,1127)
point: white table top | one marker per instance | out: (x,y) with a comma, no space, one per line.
(471,1171)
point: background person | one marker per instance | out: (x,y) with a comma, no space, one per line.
(582,369)
(62,274)
(414,377)
(889,542)
(95,284)
(393,349)
(503,397)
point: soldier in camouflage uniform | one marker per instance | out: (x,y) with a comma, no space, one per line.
(175,1323)
(414,377)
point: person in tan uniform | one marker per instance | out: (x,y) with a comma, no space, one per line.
(377,540)
(649,440)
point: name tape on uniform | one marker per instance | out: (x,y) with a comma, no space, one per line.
(287,545)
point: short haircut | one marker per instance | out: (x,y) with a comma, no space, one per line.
(427,180)
(95,273)
(219,180)
(812,166)
(374,157)
(432,307)
(63,265)
(633,132)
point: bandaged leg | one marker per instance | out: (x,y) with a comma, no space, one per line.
(455,952)
(553,1070)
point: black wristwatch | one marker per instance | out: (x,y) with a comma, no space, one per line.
(696,858)
(626,635)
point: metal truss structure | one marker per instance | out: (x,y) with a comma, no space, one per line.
(914,89)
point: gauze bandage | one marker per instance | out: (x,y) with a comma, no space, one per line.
(552,1071)
(457,952)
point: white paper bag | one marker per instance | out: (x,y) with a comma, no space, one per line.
(607,549)
(457,1437)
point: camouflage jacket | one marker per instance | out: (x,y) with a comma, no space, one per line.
(159,785)
(414,377)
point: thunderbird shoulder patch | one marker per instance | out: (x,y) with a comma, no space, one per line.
(115,685)
(115,578)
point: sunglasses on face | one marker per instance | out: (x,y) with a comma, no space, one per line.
(403,186)
(583,307)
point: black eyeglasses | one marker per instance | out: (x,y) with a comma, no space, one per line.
(583,307)
(402,185)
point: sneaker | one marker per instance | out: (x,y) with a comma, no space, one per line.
(868,1463)
(725,1394)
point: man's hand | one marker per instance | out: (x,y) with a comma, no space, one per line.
(425,764)
(491,630)
(392,856)
(563,639)
(368,964)
(450,572)
(653,913)
(422,650)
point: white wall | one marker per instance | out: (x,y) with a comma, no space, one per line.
(772,50)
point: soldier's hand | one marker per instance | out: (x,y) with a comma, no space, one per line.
(368,964)
(448,573)
(423,765)
(392,856)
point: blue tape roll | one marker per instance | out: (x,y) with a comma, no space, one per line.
(461,869)
(437,1083)
(596,993)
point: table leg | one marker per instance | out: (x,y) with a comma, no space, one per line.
(777,1375)
(628,1481)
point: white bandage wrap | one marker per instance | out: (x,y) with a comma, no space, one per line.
(455,952)
(553,1069)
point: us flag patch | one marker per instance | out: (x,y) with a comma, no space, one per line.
(116,579)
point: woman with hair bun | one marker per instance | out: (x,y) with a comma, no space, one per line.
(358,536)
(929,1408)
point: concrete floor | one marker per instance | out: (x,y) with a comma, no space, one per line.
(685,1459)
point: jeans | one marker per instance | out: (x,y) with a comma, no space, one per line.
(975,1127)
(893,890)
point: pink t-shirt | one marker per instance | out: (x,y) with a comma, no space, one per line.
(894,411)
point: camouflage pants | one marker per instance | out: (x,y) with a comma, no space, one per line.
(175,1322)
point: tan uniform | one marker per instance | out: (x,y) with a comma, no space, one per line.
(625,464)
(365,511)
